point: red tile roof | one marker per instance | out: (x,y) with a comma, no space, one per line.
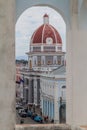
(45,31)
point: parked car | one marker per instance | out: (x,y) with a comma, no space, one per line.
(19,107)
(23,114)
(29,113)
(38,119)
(21,110)
(26,110)
(33,115)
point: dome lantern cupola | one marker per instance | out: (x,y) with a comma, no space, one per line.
(46,19)
(46,34)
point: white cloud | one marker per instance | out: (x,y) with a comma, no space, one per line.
(30,20)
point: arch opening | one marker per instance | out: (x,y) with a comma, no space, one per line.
(23,36)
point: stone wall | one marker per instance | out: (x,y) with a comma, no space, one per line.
(49,127)
(7,64)
(42,127)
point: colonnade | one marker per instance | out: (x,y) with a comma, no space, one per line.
(48,108)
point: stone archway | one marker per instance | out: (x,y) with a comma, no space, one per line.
(21,6)
(30,26)
(7,64)
(76,62)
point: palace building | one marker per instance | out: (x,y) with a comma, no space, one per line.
(74,13)
(45,58)
(45,48)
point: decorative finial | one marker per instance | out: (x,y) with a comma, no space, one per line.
(46,19)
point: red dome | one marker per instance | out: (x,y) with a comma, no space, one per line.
(45,31)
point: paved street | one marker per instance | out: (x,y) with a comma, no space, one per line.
(27,120)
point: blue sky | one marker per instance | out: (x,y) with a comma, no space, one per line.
(29,21)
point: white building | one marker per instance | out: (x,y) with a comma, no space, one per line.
(53,95)
(45,55)
(45,48)
(74,13)
(44,82)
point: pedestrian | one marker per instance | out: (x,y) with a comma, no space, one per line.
(46,118)
(41,113)
(52,121)
(21,121)
(26,110)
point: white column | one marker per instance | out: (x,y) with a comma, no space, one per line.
(30,91)
(35,90)
(76,74)
(41,48)
(69,78)
(56,48)
(56,111)
(47,107)
(7,65)
(52,109)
